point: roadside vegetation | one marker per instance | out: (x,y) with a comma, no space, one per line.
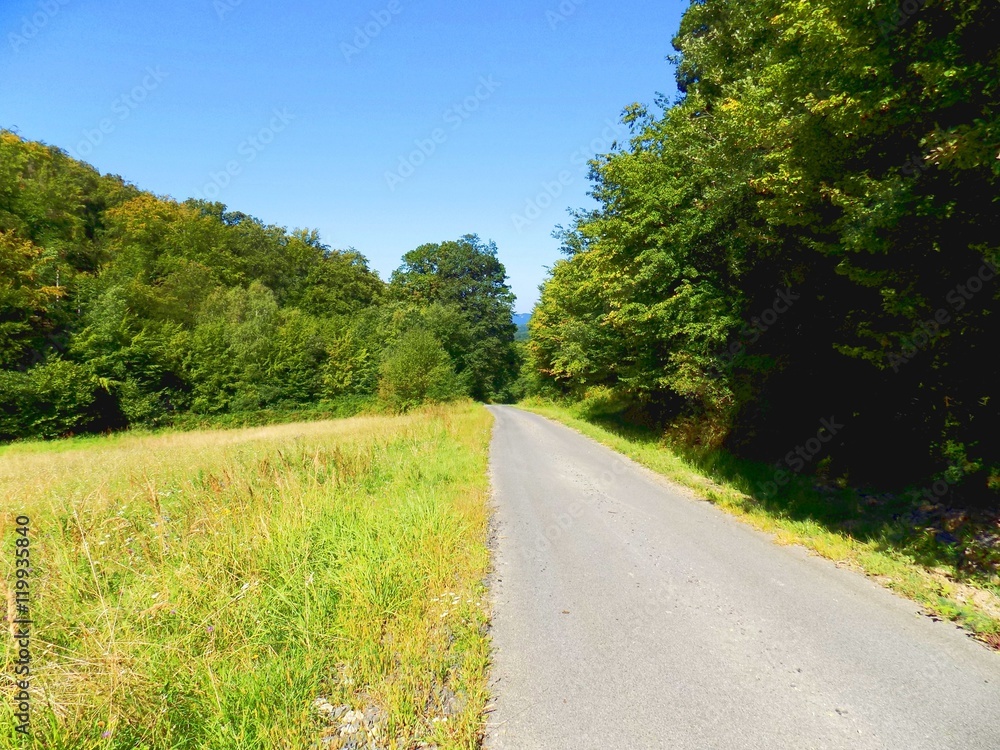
(939,559)
(811,229)
(263,587)
(119,308)
(787,295)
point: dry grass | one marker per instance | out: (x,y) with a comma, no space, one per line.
(203,589)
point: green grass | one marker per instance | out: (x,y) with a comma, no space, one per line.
(203,589)
(874,535)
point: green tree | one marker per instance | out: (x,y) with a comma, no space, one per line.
(417,369)
(467,275)
(47,401)
(842,156)
(24,300)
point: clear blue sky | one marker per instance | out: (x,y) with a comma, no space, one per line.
(505,98)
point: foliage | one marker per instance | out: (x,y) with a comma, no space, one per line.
(807,231)
(418,369)
(47,401)
(467,276)
(191,308)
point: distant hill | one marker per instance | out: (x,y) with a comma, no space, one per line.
(521,321)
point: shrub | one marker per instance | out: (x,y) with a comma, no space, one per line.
(417,369)
(47,401)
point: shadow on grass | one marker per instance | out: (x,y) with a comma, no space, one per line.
(963,545)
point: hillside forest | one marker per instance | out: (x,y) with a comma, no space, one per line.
(796,259)
(119,308)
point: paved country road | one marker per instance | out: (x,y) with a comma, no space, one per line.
(628,614)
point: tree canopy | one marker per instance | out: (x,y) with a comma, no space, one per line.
(810,229)
(118,307)
(466,276)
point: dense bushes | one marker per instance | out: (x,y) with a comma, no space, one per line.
(119,308)
(416,369)
(48,400)
(808,231)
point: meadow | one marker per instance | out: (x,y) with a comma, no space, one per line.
(299,585)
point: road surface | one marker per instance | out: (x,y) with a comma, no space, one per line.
(629,614)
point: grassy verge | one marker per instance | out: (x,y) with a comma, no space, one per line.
(258,588)
(875,535)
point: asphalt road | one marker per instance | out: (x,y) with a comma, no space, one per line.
(629,614)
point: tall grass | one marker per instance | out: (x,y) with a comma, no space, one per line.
(211,589)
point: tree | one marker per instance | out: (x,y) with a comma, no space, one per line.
(822,154)
(24,300)
(467,275)
(417,369)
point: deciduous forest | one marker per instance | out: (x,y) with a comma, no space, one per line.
(796,260)
(119,308)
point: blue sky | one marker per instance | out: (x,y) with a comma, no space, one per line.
(384,124)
